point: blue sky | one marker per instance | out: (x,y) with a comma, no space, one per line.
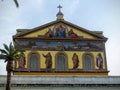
(95,15)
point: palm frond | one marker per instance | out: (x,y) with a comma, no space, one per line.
(10,53)
(16,52)
(11,49)
(2,56)
(16,3)
(4,52)
(10,46)
(17,57)
(6,47)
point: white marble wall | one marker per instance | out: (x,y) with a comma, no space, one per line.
(62,83)
(62,88)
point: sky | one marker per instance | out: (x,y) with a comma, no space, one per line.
(94,15)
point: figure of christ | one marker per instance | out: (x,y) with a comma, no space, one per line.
(60,32)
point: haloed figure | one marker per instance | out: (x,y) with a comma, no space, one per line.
(22,61)
(75,61)
(99,61)
(48,61)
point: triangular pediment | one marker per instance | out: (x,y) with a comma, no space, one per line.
(59,29)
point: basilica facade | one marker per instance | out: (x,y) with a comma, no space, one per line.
(60,48)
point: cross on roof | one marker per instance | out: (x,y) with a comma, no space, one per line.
(59,8)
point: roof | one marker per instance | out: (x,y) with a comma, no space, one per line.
(22,32)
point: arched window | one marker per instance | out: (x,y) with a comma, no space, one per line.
(87,62)
(34,62)
(61,62)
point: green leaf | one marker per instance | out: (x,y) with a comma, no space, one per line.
(3,52)
(11,49)
(16,3)
(2,56)
(10,53)
(6,47)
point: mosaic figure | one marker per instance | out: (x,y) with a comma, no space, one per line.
(60,32)
(48,60)
(75,61)
(60,46)
(71,34)
(49,33)
(99,61)
(22,61)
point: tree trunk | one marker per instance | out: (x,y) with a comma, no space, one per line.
(8,86)
(9,69)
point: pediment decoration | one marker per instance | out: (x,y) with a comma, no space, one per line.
(60,29)
(59,45)
(59,35)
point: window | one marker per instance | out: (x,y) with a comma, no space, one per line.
(34,62)
(87,62)
(61,62)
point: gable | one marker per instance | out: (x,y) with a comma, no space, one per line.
(60,29)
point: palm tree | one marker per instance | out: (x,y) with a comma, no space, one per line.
(9,54)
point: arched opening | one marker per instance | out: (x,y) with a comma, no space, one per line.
(61,62)
(87,62)
(34,62)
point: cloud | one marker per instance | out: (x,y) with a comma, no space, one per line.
(12,18)
(71,6)
(74,6)
(113,50)
(103,15)
(2,68)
